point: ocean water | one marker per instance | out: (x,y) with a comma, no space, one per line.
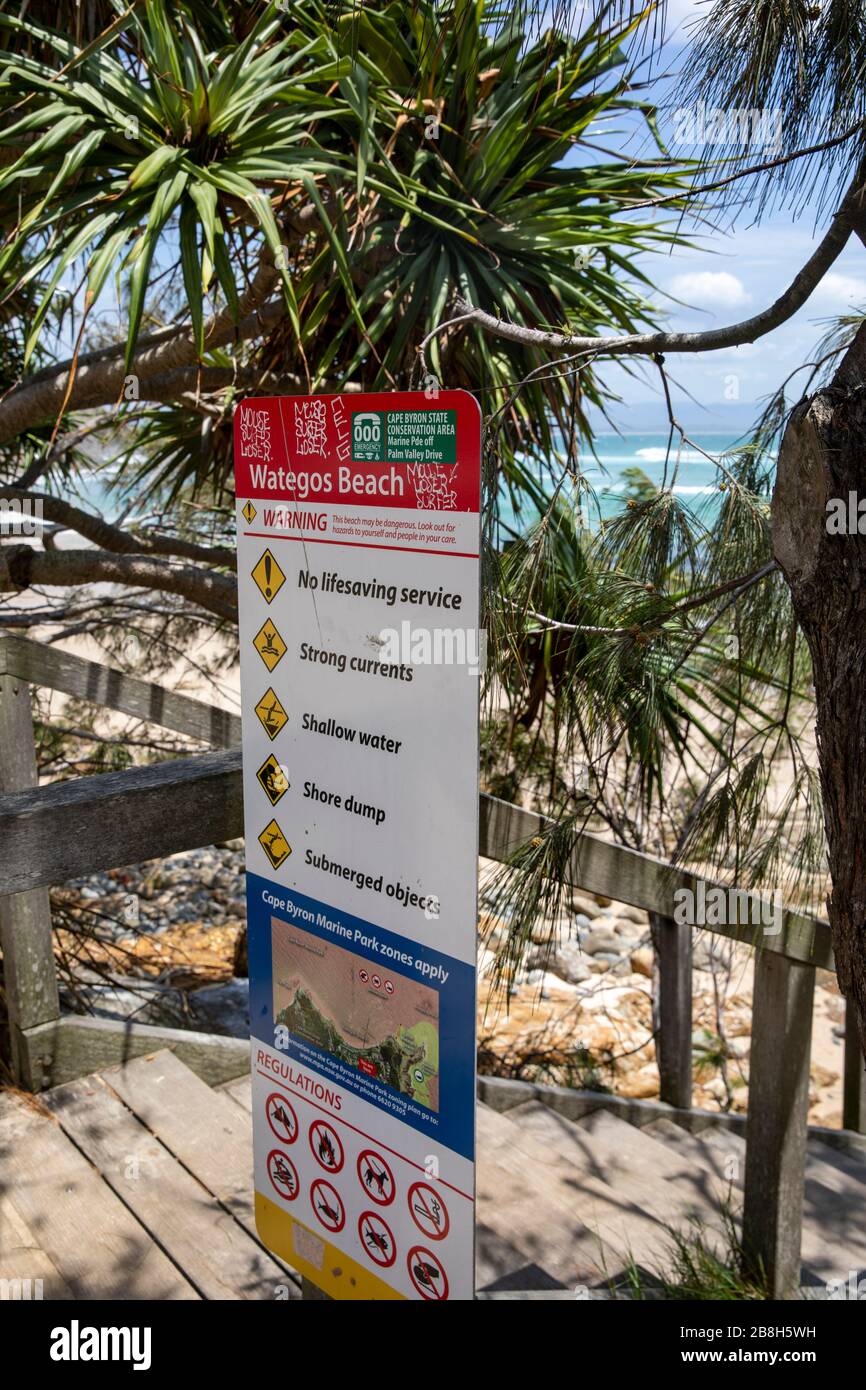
(697,478)
(607,474)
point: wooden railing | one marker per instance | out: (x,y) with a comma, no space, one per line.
(60,831)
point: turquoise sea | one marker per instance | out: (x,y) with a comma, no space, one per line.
(611,473)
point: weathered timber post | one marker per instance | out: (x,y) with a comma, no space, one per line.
(776,1127)
(673,947)
(25,918)
(854,1082)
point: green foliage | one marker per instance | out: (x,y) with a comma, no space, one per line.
(703,1264)
(803,61)
(439,158)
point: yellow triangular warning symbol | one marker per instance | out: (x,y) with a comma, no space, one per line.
(271,713)
(273,780)
(275,844)
(268,576)
(269,645)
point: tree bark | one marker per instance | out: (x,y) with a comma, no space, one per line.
(823,457)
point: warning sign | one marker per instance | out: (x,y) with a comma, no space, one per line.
(268,576)
(275,844)
(271,713)
(377,1240)
(326,1146)
(376,1177)
(359,601)
(284,1175)
(281,1118)
(269,645)
(428,1211)
(273,780)
(328,1205)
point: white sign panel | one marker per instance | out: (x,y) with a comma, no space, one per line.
(358,572)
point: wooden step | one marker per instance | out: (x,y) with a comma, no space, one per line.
(631,1162)
(199,1234)
(97,1245)
(601,1228)
(834,1207)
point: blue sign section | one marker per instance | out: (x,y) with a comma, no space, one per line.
(421,1069)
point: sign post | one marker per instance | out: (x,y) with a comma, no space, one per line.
(358,575)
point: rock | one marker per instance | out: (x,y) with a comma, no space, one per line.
(543,933)
(602,901)
(569,966)
(625,927)
(612,957)
(598,967)
(223,1008)
(625,911)
(582,903)
(715,1087)
(822,1076)
(602,939)
(642,961)
(566,962)
(583,922)
(639,1085)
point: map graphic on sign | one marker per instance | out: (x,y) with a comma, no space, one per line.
(322,997)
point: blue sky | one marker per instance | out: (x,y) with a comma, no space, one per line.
(732,275)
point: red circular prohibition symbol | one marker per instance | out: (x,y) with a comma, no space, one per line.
(428,1211)
(328,1205)
(326,1147)
(377,1240)
(376,1177)
(427,1274)
(279,1112)
(283,1175)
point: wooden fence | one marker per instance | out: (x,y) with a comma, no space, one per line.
(60,831)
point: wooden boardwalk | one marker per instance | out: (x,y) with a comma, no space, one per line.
(134,1183)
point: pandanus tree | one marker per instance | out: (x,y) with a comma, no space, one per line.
(200,201)
(766,598)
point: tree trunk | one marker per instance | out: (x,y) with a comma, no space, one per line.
(823,460)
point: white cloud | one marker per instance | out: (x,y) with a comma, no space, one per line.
(841,292)
(710,289)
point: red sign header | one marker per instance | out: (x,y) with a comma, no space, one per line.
(387,449)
